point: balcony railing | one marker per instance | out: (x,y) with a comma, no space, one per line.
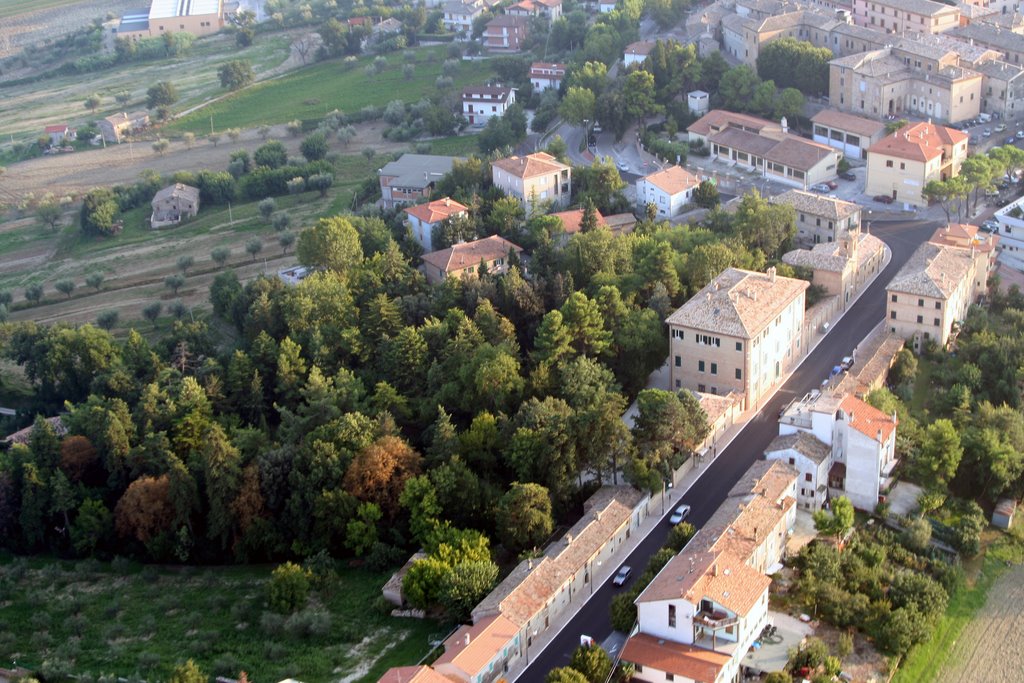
(714,620)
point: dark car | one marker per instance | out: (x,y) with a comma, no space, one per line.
(883,198)
(848,175)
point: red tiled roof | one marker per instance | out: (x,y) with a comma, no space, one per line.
(694,663)
(571,220)
(867,419)
(469,254)
(716,575)
(486,638)
(530,166)
(918,141)
(412,674)
(436,211)
(58,128)
(673,180)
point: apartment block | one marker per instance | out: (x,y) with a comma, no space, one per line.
(905,16)
(533,178)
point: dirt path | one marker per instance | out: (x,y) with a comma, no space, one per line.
(991,647)
(71,174)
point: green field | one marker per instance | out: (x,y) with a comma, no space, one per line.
(119,618)
(10,8)
(456,146)
(311,92)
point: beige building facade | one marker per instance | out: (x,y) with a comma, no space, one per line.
(742,333)
(819,219)
(905,16)
(901,164)
(844,267)
(198,17)
(534,178)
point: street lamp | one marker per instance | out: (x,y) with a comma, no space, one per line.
(586,132)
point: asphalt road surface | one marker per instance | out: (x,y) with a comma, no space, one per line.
(748,446)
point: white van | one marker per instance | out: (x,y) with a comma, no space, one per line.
(984,118)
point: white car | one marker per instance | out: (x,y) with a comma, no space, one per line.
(623,166)
(622,576)
(680,514)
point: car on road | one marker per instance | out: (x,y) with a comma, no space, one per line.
(1020,134)
(622,576)
(622,166)
(822,188)
(848,175)
(846,363)
(1000,128)
(596,128)
(990,226)
(680,514)
(987,133)
(883,198)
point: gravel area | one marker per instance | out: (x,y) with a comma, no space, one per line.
(24,29)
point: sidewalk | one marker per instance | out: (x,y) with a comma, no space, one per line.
(685,477)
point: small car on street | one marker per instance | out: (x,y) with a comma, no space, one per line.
(681,513)
(622,576)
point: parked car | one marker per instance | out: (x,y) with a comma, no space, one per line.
(1010,140)
(681,513)
(623,166)
(990,226)
(1000,128)
(987,133)
(1020,135)
(622,576)
(883,198)
(846,363)
(848,175)
(823,188)
(832,185)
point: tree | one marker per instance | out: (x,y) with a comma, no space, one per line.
(266,208)
(315,146)
(332,243)
(271,154)
(465,584)
(235,74)
(34,293)
(778,677)
(99,209)
(790,103)
(65,287)
(253,246)
(107,319)
(92,102)
(49,214)
(763,225)
(146,508)
(593,662)
(838,522)
(940,451)
(565,674)
(161,94)
(524,517)
(361,530)
(152,312)
(680,535)
(189,672)
(220,255)
(288,590)
(666,429)
(737,88)
(321,182)
(379,472)
(706,195)
(285,240)
(190,139)
(185,262)
(793,63)
(174,282)
(160,146)
(577,106)
(94,280)
(639,94)
(244,36)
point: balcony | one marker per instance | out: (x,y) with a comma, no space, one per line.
(714,620)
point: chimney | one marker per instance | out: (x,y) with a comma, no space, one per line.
(757,533)
(879,437)
(447,201)
(771,273)
(568,539)
(894,419)
(466,640)
(714,569)
(709,297)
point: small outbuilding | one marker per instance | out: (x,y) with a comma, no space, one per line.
(1002,516)
(174,204)
(699,102)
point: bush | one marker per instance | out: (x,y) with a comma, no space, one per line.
(313,622)
(680,535)
(272,623)
(289,588)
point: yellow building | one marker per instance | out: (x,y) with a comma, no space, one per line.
(198,17)
(843,267)
(901,164)
(742,333)
(905,16)
(929,297)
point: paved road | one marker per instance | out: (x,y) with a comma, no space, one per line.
(748,446)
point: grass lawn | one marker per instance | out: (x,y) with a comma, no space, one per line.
(922,387)
(123,619)
(456,146)
(315,90)
(9,8)
(926,661)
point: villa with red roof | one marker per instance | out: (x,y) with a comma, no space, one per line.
(423,218)
(841,446)
(59,133)
(463,260)
(537,177)
(901,164)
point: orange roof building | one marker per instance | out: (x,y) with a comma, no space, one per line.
(424,217)
(478,649)
(901,164)
(463,260)
(669,190)
(572,220)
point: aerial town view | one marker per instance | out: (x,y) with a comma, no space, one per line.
(511,341)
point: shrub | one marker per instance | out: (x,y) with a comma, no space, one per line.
(314,622)
(289,588)
(107,319)
(272,623)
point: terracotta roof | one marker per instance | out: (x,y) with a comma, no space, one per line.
(804,443)
(531,165)
(693,663)
(715,405)
(433,212)
(716,119)
(744,141)
(641,48)
(867,419)
(486,639)
(696,575)
(673,180)
(933,270)
(547,70)
(965,236)
(58,128)
(848,122)
(796,152)
(738,302)
(571,220)
(533,583)
(816,205)
(412,674)
(918,141)
(469,254)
